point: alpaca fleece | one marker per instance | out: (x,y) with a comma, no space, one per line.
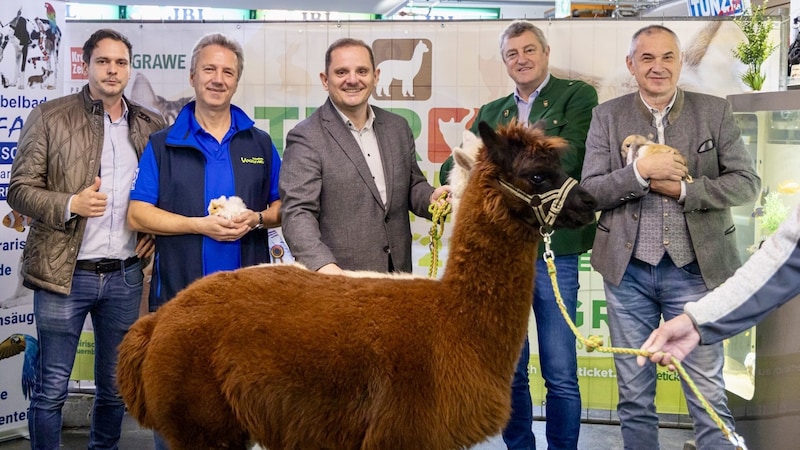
(298,360)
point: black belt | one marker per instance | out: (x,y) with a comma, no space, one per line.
(105,265)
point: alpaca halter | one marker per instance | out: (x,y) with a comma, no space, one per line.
(537,201)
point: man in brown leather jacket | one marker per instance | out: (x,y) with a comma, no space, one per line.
(77,156)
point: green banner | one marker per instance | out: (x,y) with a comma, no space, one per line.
(598,382)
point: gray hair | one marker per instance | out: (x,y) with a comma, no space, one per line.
(649,30)
(223,41)
(518,27)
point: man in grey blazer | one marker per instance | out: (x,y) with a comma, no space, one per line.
(350,175)
(662,241)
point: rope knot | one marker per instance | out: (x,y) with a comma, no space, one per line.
(593,343)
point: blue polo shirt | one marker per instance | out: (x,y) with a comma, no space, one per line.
(218,180)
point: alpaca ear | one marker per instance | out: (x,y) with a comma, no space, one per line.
(491,139)
(487,133)
(470,143)
(463,159)
(466,155)
(497,146)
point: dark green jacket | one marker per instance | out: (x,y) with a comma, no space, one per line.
(565,106)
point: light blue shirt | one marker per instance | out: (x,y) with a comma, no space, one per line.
(109,236)
(524,105)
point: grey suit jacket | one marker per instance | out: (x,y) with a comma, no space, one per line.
(702,127)
(331,209)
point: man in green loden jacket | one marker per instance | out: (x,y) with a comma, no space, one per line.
(564,108)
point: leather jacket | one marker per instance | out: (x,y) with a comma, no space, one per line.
(59,153)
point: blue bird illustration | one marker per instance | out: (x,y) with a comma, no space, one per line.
(16,344)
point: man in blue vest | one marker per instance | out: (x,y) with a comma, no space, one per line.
(212,149)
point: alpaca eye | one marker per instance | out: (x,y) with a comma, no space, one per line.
(537,179)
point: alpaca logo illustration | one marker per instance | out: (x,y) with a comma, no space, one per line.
(405,69)
(446,128)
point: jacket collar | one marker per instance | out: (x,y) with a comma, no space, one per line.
(186,125)
(538,91)
(542,100)
(341,134)
(95,107)
(674,112)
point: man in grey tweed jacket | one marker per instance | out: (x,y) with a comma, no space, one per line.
(662,241)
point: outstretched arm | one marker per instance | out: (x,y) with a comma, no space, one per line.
(676,337)
(765,282)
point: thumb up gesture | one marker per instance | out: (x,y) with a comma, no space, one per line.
(89,202)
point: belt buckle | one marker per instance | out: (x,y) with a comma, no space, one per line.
(104,266)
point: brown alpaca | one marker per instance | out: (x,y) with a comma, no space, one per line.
(293,359)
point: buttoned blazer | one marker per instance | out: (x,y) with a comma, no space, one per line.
(703,129)
(331,209)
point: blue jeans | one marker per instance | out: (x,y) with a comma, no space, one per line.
(160,443)
(559,361)
(635,308)
(113,300)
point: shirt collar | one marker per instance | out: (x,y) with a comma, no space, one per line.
(236,126)
(349,123)
(124,115)
(656,111)
(534,94)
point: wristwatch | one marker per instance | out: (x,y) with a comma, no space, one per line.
(260,223)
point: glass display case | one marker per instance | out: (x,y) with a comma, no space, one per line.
(762,365)
(740,350)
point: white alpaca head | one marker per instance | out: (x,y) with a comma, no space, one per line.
(227,207)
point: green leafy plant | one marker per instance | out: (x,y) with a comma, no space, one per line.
(757,47)
(775,212)
(772,211)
